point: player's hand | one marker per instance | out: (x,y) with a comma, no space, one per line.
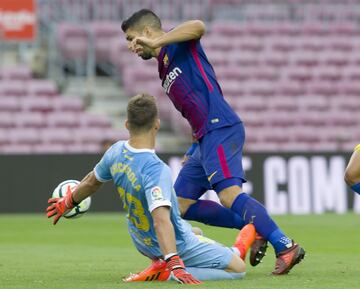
(144,41)
(59,206)
(189,152)
(178,272)
(184,159)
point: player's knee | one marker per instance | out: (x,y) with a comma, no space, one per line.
(197,231)
(184,205)
(348,177)
(236,265)
(227,196)
(351,176)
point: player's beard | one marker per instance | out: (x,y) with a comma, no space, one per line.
(146,55)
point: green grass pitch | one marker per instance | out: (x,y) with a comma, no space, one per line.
(95,251)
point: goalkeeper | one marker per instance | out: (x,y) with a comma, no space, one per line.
(154,223)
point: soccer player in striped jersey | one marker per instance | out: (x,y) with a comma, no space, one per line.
(144,184)
(215,160)
(352,172)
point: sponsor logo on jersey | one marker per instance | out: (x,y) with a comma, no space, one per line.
(156,194)
(170,78)
(166,60)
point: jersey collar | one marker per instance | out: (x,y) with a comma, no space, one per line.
(134,150)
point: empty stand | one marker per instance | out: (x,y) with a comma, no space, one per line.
(34,118)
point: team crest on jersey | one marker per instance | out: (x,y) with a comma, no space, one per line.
(156,194)
(166,60)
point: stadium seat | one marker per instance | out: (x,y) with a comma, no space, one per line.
(103,33)
(42,88)
(89,135)
(27,136)
(7,120)
(30,119)
(105,9)
(284,104)
(63,120)
(195,9)
(4,137)
(116,134)
(13,88)
(9,104)
(68,103)
(17,149)
(33,103)
(72,41)
(93,121)
(16,73)
(57,136)
(275,60)
(231,29)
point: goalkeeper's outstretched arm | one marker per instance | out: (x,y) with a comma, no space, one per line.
(88,185)
(59,206)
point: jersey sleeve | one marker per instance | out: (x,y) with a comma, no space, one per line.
(158,186)
(102,169)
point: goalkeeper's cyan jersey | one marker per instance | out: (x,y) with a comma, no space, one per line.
(144,183)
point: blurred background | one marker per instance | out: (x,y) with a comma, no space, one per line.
(290,68)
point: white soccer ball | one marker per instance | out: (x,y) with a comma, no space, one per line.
(61,190)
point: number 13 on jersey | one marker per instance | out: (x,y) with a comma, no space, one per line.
(136,210)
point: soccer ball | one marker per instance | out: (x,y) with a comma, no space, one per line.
(80,209)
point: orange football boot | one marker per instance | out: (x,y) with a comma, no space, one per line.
(288,259)
(245,239)
(155,272)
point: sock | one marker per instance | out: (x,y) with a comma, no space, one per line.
(279,241)
(213,274)
(253,212)
(212,213)
(240,252)
(356,188)
(236,251)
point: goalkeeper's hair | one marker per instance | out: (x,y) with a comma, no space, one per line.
(140,19)
(141,113)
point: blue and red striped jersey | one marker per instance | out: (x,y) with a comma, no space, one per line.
(190,82)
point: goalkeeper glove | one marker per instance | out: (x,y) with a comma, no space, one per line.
(177,268)
(59,206)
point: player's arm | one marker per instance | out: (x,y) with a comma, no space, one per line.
(159,193)
(186,31)
(59,206)
(164,230)
(166,237)
(89,185)
(86,188)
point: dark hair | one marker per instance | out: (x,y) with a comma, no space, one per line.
(140,19)
(141,112)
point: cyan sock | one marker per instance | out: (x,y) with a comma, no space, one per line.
(212,213)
